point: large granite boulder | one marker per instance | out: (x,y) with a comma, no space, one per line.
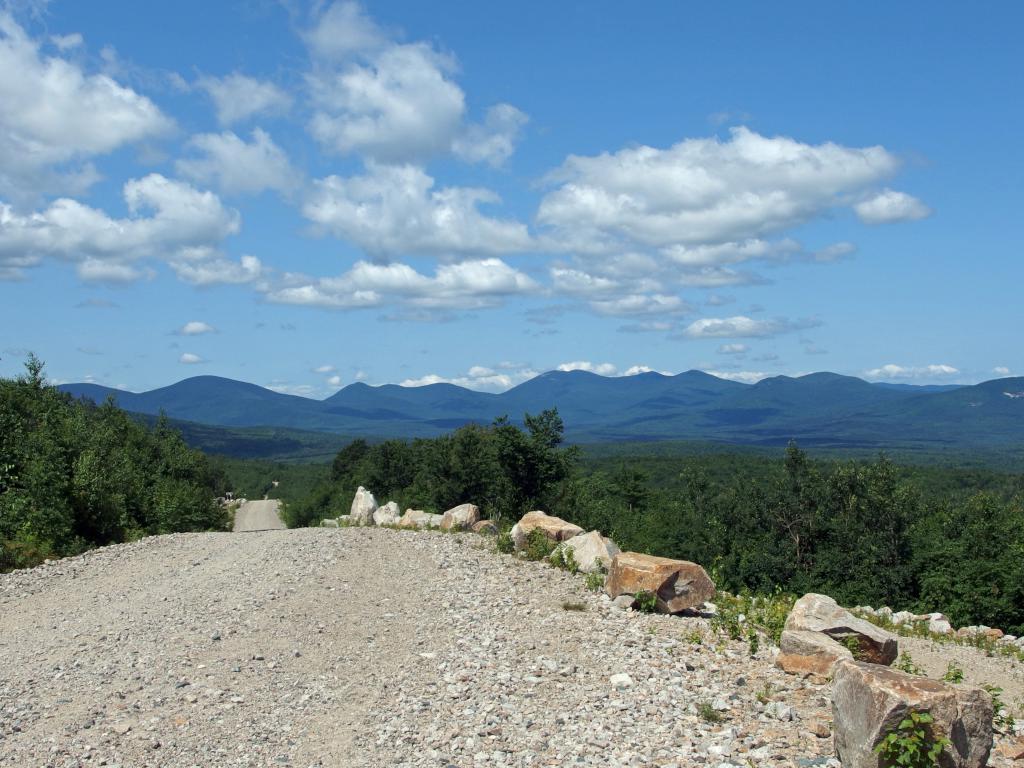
(869,701)
(820,613)
(387,515)
(417,518)
(363,507)
(809,653)
(555,528)
(676,584)
(591,551)
(485,528)
(460,518)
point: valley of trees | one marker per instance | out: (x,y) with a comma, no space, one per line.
(75,476)
(864,532)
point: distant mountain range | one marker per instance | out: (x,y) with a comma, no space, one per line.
(824,409)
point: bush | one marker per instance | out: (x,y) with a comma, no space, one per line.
(538,546)
(911,744)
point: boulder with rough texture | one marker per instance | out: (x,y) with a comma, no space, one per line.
(939,624)
(809,653)
(676,584)
(485,528)
(902,618)
(592,551)
(820,613)
(417,518)
(460,518)
(869,701)
(363,507)
(555,528)
(387,515)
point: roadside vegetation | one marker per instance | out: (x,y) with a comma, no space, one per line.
(864,532)
(74,476)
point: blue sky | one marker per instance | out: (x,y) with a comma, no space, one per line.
(307,195)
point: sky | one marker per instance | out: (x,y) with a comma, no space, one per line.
(305,195)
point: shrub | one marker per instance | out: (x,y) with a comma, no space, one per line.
(953,673)
(1002,720)
(503,543)
(906,664)
(646,602)
(912,744)
(595,581)
(564,558)
(538,546)
(708,713)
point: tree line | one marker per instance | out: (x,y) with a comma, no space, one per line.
(74,475)
(865,532)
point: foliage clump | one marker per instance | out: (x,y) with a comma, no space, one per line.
(504,469)
(912,744)
(74,475)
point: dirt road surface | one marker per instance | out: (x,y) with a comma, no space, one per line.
(332,648)
(259,516)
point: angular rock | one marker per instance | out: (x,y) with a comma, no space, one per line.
(363,507)
(939,624)
(901,618)
(820,613)
(417,518)
(329,523)
(676,584)
(460,518)
(869,701)
(555,528)
(485,528)
(387,515)
(809,653)
(592,551)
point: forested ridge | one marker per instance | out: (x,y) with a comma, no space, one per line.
(74,475)
(864,532)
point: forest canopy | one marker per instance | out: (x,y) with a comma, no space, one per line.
(863,532)
(74,475)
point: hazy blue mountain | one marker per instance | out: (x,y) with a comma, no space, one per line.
(817,409)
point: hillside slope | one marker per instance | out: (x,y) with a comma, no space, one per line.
(820,409)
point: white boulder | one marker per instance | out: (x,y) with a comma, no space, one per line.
(591,551)
(460,518)
(387,515)
(363,507)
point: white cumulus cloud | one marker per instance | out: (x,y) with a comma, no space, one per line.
(602,369)
(893,371)
(237,166)
(465,285)
(889,206)
(188,358)
(237,97)
(181,222)
(702,192)
(195,328)
(741,326)
(395,210)
(55,113)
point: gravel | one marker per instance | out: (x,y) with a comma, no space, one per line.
(372,647)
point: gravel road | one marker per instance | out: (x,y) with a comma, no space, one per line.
(371,647)
(259,516)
